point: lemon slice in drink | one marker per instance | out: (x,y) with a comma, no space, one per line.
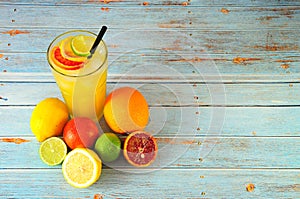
(81,45)
(81,167)
(53,151)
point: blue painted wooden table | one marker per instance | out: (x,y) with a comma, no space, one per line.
(222,79)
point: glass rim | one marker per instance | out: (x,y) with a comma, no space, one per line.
(74,31)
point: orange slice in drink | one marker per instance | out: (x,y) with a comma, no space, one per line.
(62,62)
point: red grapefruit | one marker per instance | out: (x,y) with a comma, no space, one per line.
(63,62)
(140,149)
(80,132)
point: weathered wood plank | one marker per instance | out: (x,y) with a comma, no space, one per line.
(165,121)
(248,41)
(195,183)
(212,18)
(256,46)
(171,94)
(246,3)
(189,152)
(284,67)
(113,78)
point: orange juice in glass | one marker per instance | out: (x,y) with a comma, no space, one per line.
(80,77)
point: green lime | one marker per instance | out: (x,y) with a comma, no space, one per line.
(108,146)
(53,151)
(81,45)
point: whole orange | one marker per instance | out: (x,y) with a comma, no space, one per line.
(126,110)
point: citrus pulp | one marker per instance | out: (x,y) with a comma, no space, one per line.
(81,45)
(81,167)
(53,151)
(140,149)
(67,52)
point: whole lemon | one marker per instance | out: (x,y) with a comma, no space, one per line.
(49,118)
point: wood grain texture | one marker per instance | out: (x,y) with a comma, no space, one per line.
(194,42)
(184,152)
(172,94)
(151,17)
(274,68)
(221,77)
(192,183)
(272,56)
(165,121)
(246,3)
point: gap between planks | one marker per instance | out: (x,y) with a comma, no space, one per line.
(192,138)
(122,4)
(22,170)
(20,77)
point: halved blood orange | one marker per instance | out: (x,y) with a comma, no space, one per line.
(62,62)
(140,149)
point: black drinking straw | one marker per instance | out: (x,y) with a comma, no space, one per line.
(97,41)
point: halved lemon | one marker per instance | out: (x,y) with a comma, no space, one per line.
(82,167)
(81,45)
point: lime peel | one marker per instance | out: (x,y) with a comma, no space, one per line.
(67,51)
(108,146)
(81,45)
(53,151)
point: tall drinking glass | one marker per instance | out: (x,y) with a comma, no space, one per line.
(81,80)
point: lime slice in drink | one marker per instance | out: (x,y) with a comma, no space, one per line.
(108,146)
(53,151)
(81,45)
(67,52)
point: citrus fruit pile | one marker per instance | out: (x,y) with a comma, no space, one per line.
(79,146)
(126,112)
